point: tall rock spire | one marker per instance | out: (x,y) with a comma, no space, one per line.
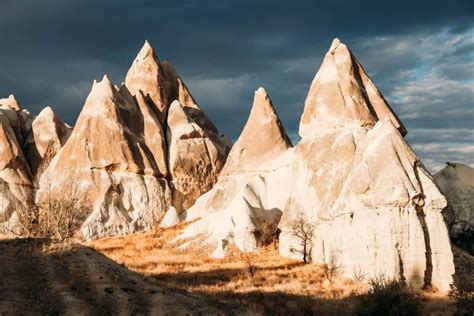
(374,207)
(247,201)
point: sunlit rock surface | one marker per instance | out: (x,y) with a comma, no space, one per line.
(245,205)
(376,210)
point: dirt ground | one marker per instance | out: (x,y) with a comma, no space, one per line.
(144,274)
(37,280)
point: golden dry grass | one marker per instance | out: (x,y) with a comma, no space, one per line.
(250,278)
(263,281)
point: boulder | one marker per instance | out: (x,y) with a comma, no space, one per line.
(245,205)
(373,207)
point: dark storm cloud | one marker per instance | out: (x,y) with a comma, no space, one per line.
(419,53)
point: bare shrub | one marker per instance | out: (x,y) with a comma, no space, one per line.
(329,266)
(388,297)
(20,219)
(358,275)
(303,231)
(57,214)
(251,267)
(63,214)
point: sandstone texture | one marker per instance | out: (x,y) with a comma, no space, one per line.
(245,205)
(107,156)
(375,209)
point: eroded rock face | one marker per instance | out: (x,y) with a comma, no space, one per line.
(195,150)
(108,155)
(245,205)
(375,209)
(46,136)
(15,177)
(456,181)
(196,156)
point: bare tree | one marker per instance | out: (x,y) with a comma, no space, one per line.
(303,231)
(56,214)
(64,213)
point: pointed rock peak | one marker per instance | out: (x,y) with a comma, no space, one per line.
(176,111)
(147,51)
(10,103)
(47,112)
(342,95)
(262,139)
(335,43)
(103,88)
(262,99)
(263,113)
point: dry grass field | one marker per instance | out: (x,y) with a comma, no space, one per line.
(263,282)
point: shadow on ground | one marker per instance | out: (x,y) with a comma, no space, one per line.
(79,280)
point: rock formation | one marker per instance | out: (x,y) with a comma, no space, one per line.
(196,151)
(245,205)
(196,156)
(20,119)
(15,178)
(108,155)
(46,136)
(135,155)
(456,181)
(375,209)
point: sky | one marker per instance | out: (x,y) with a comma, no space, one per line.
(420,54)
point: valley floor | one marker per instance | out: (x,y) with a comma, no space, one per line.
(144,273)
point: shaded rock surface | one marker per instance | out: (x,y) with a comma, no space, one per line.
(376,210)
(456,181)
(245,205)
(16,186)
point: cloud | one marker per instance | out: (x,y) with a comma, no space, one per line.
(428,77)
(418,53)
